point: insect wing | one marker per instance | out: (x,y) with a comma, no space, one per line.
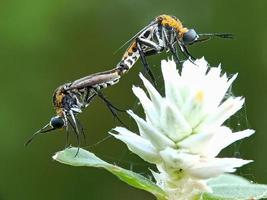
(137,34)
(95,79)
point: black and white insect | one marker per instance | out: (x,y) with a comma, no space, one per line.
(71,98)
(164,33)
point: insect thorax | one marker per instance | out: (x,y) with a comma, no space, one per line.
(170,21)
(64,100)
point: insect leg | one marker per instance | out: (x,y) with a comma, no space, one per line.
(67,130)
(144,61)
(67,136)
(150,44)
(188,53)
(174,52)
(108,102)
(154,48)
(77,136)
(111,107)
(76,130)
(88,97)
(74,121)
(82,130)
(171,47)
(185,52)
(151,52)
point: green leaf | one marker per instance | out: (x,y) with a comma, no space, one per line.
(228,179)
(232,187)
(86,158)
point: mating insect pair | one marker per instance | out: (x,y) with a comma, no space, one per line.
(164,33)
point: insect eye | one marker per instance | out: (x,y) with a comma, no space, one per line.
(190,36)
(57,122)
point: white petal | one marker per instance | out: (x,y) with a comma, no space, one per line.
(137,144)
(224,111)
(210,143)
(221,93)
(224,138)
(196,77)
(151,113)
(157,139)
(200,167)
(201,62)
(216,86)
(141,95)
(171,77)
(197,143)
(216,166)
(194,71)
(173,123)
(159,177)
(178,159)
(153,93)
(194,109)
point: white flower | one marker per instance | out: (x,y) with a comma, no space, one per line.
(183,131)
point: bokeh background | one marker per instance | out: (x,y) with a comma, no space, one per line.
(44,43)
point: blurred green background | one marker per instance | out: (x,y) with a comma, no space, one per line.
(44,43)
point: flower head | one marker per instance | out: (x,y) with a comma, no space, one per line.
(183,131)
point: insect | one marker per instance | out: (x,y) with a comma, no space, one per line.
(71,98)
(164,33)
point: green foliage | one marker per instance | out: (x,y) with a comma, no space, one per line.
(232,187)
(86,158)
(225,187)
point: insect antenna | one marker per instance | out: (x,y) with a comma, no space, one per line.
(42,130)
(221,35)
(207,36)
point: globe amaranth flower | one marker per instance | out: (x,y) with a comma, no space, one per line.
(183,131)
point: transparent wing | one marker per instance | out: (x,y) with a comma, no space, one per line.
(138,33)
